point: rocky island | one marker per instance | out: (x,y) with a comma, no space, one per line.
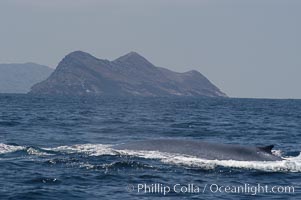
(80,73)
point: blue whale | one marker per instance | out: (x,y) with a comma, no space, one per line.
(204,150)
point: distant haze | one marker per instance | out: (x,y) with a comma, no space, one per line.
(18,78)
(247,48)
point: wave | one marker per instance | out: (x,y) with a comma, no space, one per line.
(91,149)
(5,148)
(289,164)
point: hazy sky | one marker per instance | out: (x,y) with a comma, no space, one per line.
(247,48)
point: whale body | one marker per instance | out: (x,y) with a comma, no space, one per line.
(204,150)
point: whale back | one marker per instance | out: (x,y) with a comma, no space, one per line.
(204,150)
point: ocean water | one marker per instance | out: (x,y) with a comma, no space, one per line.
(60,148)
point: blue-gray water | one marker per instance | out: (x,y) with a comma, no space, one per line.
(59,148)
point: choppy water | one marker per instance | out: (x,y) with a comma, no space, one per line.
(60,148)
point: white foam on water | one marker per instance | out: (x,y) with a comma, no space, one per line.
(292,164)
(33,151)
(4,148)
(277,152)
(289,164)
(91,149)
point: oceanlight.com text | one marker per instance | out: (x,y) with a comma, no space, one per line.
(191,188)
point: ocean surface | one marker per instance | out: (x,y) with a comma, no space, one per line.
(60,148)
